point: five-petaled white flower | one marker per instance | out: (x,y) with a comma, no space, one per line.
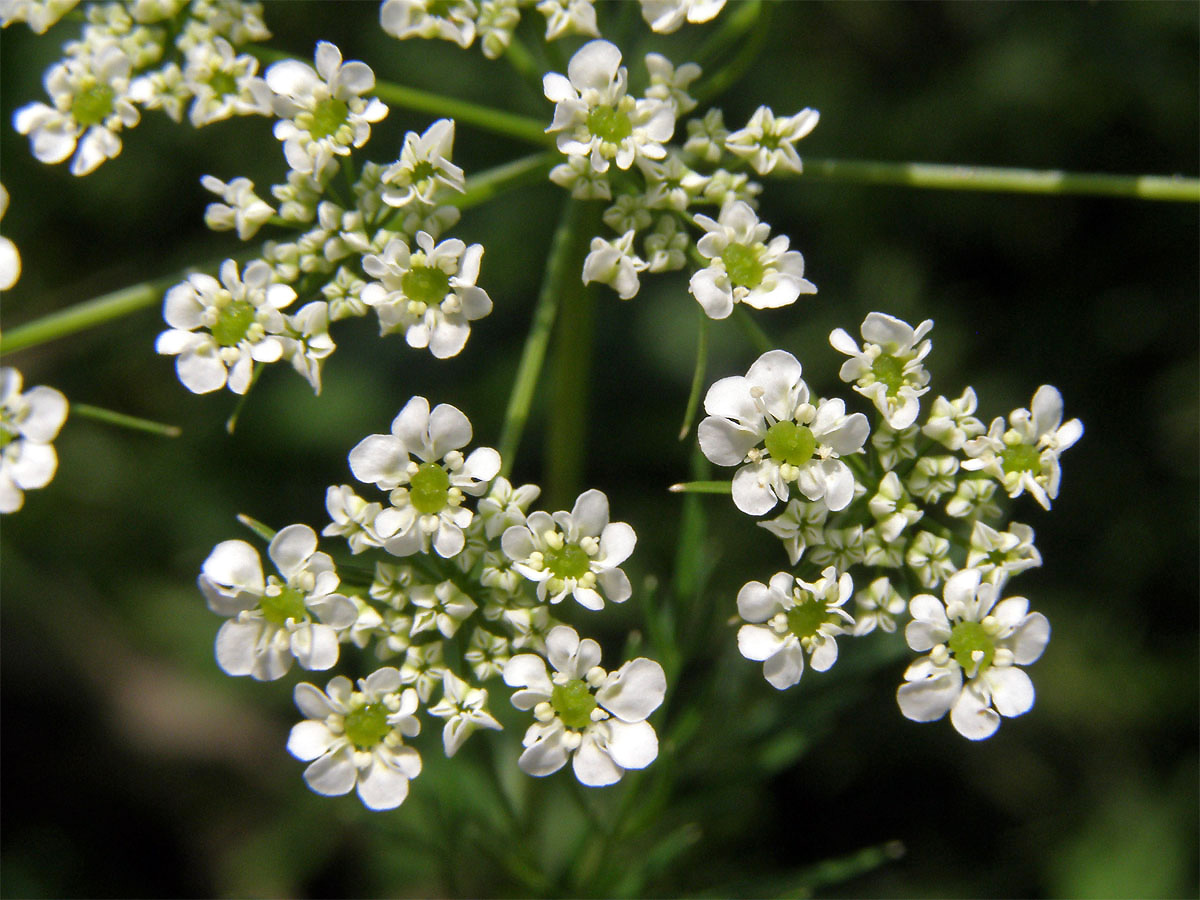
(800,442)
(426,496)
(449,20)
(464,708)
(423,167)
(595,718)
(887,370)
(429,294)
(274,620)
(767,141)
(596,118)
(29,421)
(790,618)
(616,264)
(975,645)
(243,321)
(573,552)
(355,738)
(1024,456)
(743,267)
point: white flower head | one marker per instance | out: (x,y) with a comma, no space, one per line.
(767,141)
(597,719)
(505,506)
(497,21)
(442,607)
(10,258)
(744,267)
(353,518)
(576,553)
(423,168)
(999,555)
(892,508)
(929,558)
(670,84)
(428,293)
(1024,456)
(877,607)
(799,526)
(223,84)
(566,17)
(355,738)
(448,20)
(706,137)
(465,710)
(39,15)
(790,619)
(665,16)
(322,112)
(595,117)
(29,421)
(952,422)
(887,370)
(931,477)
(616,264)
(241,209)
(975,645)
(584,182)
(765,423)
(426,492)
(308,343)
(277,619)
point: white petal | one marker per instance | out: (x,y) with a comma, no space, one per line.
(382,787)
(236,647)
(309,739)
(1012,691)
(930,698)
(34,467)
(593,766)
(333,774)
(972,718)
(632,745)
(617,541)
(756,603)
(784,668)
(752,488)
(724,442)
(1029,639)
(379,459)
(544,757)
(634,691)
(291,547)
(590,514)
(315,647)
(235,563)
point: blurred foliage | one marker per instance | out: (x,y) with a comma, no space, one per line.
(132,767)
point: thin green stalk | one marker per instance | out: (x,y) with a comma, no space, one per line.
(522,61)
(693,402)
(747,55)
(563,249)
(231,423)
(266,532)
(109,417)
(702,487)
(1173,188)
(734,25)
(759,338)
(490,184)
(86,315)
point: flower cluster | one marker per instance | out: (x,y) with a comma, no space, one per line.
(461,592)
(29,421)
(913,509)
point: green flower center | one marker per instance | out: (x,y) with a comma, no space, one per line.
(743,266)
(791,443)
(223,83)
(804,620)
(890,371)
(430,488)
(570,561)
(1021,458)
(609,124)
(6,437)
(965,639)
(328,117)
(287,604)
(574,703)
(440,9)
(425,284)
(423,171)
(233,323)
(367,725)
(93,105)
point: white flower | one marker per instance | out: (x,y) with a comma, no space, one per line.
(29,421)
(423,167)
(322,112)
(595,117)
(667,246)
(574,553)
(486,654)
(464,708)
(449,20)
(10,259)
(767,141)
(952,422)
(223,84)
(442,607)
(998,555)
(353,518)
(308,343)
(39,15)
(426,496)
(971,635)
(842,548)
(801,443)
(973,498)
(242,208)
(744,268)
(424,668)
(616,264)
(355,738)
(670,84)
(272,620)
(800,618)
(1024,456)
(243,324)
(665,16)
(878,606)
(565,17)
(892,509)
(894,446)
(706,137)
(929,558)
(887,370)
(428,293)
(801,525)
(495,25)
(505,506)
(584,182)
(91,104)
(595,718)
(932,477)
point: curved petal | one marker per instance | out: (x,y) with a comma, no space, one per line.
(291,547)
(382,787)
(758,643)
(725,443)
(617,541)
(1029,639)
(589,515)
(593,766)
(930,698)
(333,774)
(753,485)
(972,718)
(756,603)
(784,668)
(632,745)
(379,459)
(544,756)
(236,646)
(1012,691)
(634,691)
(309,739)
(315,647)
(236,564)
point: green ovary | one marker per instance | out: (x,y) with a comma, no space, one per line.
(223,84)
(1021,458)
(367,725)
(965,639)
(425,284)
(571,561)
(742,265)
(328,117)
(804,620)
(233,323)
(609,124)
(287,604)
(92,105)
(430,488)
(890,371)
(574,703)
(791,443)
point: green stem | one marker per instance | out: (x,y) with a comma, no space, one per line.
(702,487)
(762,343)
(563,251)
(734,25)
(747,55)
(266,532)
(109,417)
(490,184)
(1174,188)
(522,61)
(697,377)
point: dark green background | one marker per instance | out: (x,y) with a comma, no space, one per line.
(132,767)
